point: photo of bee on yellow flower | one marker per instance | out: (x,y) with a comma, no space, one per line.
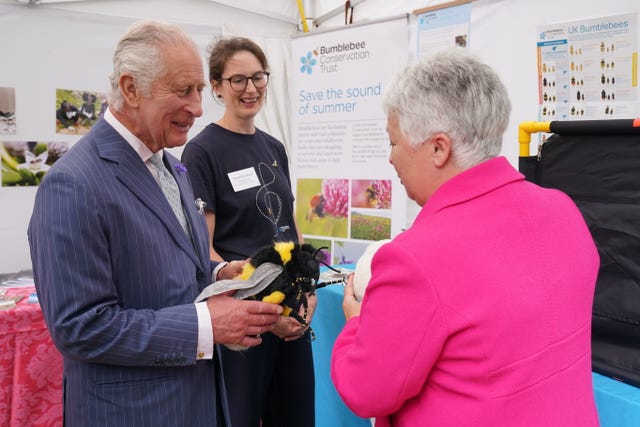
(24,163)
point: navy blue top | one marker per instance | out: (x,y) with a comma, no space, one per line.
(259,210)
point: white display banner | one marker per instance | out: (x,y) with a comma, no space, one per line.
(347,193)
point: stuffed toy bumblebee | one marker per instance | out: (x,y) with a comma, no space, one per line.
(282,273)
(300,272)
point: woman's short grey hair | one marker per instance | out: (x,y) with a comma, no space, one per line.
(139,54)
(452,92)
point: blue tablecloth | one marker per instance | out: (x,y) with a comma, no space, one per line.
(618,403)
(327,323)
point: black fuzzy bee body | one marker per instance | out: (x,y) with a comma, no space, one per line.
(299,276)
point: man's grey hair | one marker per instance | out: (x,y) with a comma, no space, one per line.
(139,54)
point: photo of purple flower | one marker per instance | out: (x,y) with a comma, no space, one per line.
(335,195)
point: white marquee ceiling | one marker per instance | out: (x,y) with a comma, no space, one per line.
(288,10)
(317,12)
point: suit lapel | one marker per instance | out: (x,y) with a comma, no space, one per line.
(133,173)
(179,171)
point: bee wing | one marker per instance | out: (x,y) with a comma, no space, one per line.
(262,277)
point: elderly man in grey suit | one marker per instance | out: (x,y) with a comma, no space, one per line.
(117,265)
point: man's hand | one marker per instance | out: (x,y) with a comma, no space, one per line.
(241,322)
(350,305)
(231,270)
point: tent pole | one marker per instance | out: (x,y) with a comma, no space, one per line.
(303,17)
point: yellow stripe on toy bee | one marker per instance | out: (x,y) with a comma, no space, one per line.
(275,297)
(284,249)
(247,271)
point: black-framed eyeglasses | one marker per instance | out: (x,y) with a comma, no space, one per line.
(239,83)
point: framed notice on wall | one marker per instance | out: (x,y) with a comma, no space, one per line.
(446,24)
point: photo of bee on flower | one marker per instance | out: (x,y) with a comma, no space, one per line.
(322,206)
(371,209)
(371,193)
(24,163)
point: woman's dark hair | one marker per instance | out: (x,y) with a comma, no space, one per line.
(223,49)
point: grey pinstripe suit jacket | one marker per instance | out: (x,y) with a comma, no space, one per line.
(116,277)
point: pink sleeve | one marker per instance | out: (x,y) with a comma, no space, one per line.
(383,357)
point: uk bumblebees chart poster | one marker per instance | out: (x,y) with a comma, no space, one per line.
(588,70)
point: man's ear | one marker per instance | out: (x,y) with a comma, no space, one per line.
(130,91)
(440,149)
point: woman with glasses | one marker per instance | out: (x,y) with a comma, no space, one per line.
(241,173)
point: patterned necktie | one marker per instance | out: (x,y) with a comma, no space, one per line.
(170,189)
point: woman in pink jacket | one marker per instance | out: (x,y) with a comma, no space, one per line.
(480,313)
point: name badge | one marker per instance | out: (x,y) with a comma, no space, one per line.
(243,179)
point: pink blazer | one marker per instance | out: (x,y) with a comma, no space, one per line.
(479,314)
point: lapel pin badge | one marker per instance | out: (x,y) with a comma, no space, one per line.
(200,204)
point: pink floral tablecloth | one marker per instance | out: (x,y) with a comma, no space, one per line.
(30,367)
